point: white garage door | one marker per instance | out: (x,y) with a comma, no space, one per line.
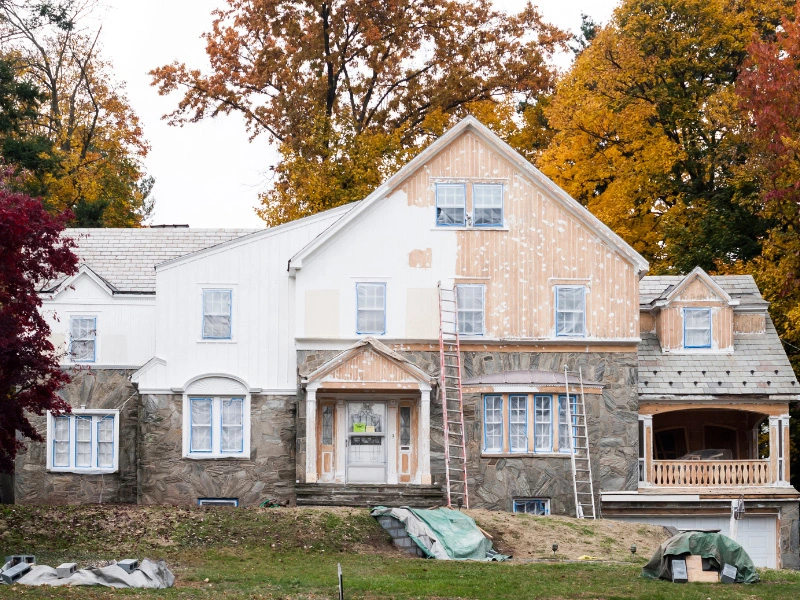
(756,533)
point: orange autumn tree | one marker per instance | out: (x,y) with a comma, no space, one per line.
(351,89)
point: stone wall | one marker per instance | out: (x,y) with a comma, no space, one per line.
(494,481)
(790,536)
(165,477)
(95,388)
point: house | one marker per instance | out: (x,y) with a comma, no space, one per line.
(301,362)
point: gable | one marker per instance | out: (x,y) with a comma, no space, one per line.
(698,290)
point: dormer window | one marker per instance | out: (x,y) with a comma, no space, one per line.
(697,328)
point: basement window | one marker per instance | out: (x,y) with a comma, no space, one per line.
(532,506)
(217,502)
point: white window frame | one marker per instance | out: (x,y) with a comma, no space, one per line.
(524,422)
(360,309)
(539,447)
(560,310)
(216,427)
(96,415)
(475,207)
(495,411)
(707,311)
(451,186)
(203,335)
(482,310)
(92,338)
(563,424)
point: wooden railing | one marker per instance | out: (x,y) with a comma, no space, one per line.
(704,473)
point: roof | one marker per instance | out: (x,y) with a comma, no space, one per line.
(739,287)
(531,377)
(125,258)
(758,365)
(470,123)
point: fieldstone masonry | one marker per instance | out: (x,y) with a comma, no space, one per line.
(92,388)
(165,477)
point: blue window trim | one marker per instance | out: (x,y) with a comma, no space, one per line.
(203,315)
(710,330)
(483,306)
(222,423)
(502,203)
(113,445)
(436,212)
(69,440)
(94,346)
(211,424)
(485,446)
(561,446)
(550,449)
(525,403)
(384,308)
(75,449)
(201,500)
(583,287)
(543,501)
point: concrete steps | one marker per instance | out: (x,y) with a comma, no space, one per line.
(360,494)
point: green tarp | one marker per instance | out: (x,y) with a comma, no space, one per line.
(443,533)
(719,549)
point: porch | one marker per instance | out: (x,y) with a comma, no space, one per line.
(717,446)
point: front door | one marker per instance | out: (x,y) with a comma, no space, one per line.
(366,442)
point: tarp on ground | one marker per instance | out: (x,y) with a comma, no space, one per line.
(443,533)
(150,574)
(719,549)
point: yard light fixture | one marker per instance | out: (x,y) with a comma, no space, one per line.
(633,549)
(555,549)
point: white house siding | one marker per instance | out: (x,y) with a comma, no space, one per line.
(261,351)
(125,323)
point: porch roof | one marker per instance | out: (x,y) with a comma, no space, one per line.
(531,377)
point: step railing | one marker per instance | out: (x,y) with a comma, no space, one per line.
(707,473)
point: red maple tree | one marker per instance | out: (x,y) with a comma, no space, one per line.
(32,251)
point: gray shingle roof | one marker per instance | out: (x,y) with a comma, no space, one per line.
(740,287)
(126,258)
(727,374)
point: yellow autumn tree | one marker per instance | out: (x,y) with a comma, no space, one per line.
(648,130)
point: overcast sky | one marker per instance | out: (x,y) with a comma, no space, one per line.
(208,174)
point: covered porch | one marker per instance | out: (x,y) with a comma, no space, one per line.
(367,422)
(732,445)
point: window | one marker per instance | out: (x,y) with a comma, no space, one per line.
(327,425)
(518,423)
(543,423)
(83,442)
(217,427)
(697,328)
(487,204)
(405,425)
(83,339)
(217,314)
(371,308)
(547,438)
(493,424)
(563,421)
(570,310)
(217,502)
(451,204)
(470,300)
(532,506)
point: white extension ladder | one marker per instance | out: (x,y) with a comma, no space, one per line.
(579,442)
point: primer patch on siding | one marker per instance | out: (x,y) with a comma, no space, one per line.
(420,259)
(322,313)
(422,318)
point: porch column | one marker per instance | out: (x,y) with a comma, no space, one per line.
(391,441)
(785,452)
(647,440)
(339,441)
(311,434)
(779,449)
(425,435)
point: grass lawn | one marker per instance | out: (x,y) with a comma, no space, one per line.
(249,554)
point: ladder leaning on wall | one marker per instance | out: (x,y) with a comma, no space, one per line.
(579,442)
(450,392)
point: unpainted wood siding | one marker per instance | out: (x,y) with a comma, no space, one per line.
(749,323)
(541,245)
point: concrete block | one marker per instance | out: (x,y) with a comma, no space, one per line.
(129,564)
(16,572)
(65,570)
